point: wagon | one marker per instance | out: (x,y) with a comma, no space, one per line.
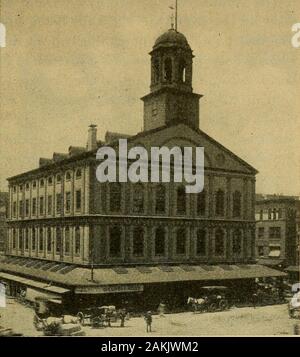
(213,298)
(98,316)
(91,316)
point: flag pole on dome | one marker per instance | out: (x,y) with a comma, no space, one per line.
(176,12)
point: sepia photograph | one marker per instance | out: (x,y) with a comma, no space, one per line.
(149,170)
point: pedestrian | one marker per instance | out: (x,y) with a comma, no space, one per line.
(148,319)
(122,317)
(161,309)
(254,299)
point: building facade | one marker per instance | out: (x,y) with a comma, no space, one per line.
(3,217)
(101,239)
(277,231)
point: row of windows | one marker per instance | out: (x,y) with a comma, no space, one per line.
(160,242)
(271,213)
(38,205)
(68,177)
(274,232)
(42,240)
(115,193)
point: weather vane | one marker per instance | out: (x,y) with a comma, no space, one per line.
(174,15)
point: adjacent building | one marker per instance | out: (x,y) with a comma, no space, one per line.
(277,232)
(3,217)
(83,241)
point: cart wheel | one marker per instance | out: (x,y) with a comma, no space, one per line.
(96,322)
(212,307)
(80,318)
(224,305)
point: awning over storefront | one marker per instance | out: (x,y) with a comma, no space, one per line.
(32,283)
(133,279)
(271,262)
(120,279)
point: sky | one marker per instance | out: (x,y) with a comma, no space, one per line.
(70,63)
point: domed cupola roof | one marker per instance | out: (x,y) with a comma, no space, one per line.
(172,38)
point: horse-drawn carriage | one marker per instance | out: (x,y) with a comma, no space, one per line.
(268,294)
(98,316)
(213,298)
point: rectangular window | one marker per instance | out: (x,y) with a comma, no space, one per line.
(34,206)
(14,209)
(274,232)
(41,206)
(68,201)
(261,232)
(115,242)
(78,200)
(201,242)
(27,208)
(58,203)
(49,208)
(261,251)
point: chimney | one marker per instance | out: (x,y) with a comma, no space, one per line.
(92,138)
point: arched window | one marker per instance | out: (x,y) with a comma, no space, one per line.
(138,242)
(68,176)
(201,204)
(168,70)
(58,241)
(33,239)
(115,241)
(41,239)
(237,242)
(220,203)
(77,241)
(201,242)
(180,241)
(182,71)
(49,240)
(67,240)
(160,199)
(237,204)
(115,197)
(269,213)
(138,198)
(181,200)
(160,242)
(78,174)
(219,242)
(156,70)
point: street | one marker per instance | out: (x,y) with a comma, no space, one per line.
(247,321)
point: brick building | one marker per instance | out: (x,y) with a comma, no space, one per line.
(277,231)
(106,241)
